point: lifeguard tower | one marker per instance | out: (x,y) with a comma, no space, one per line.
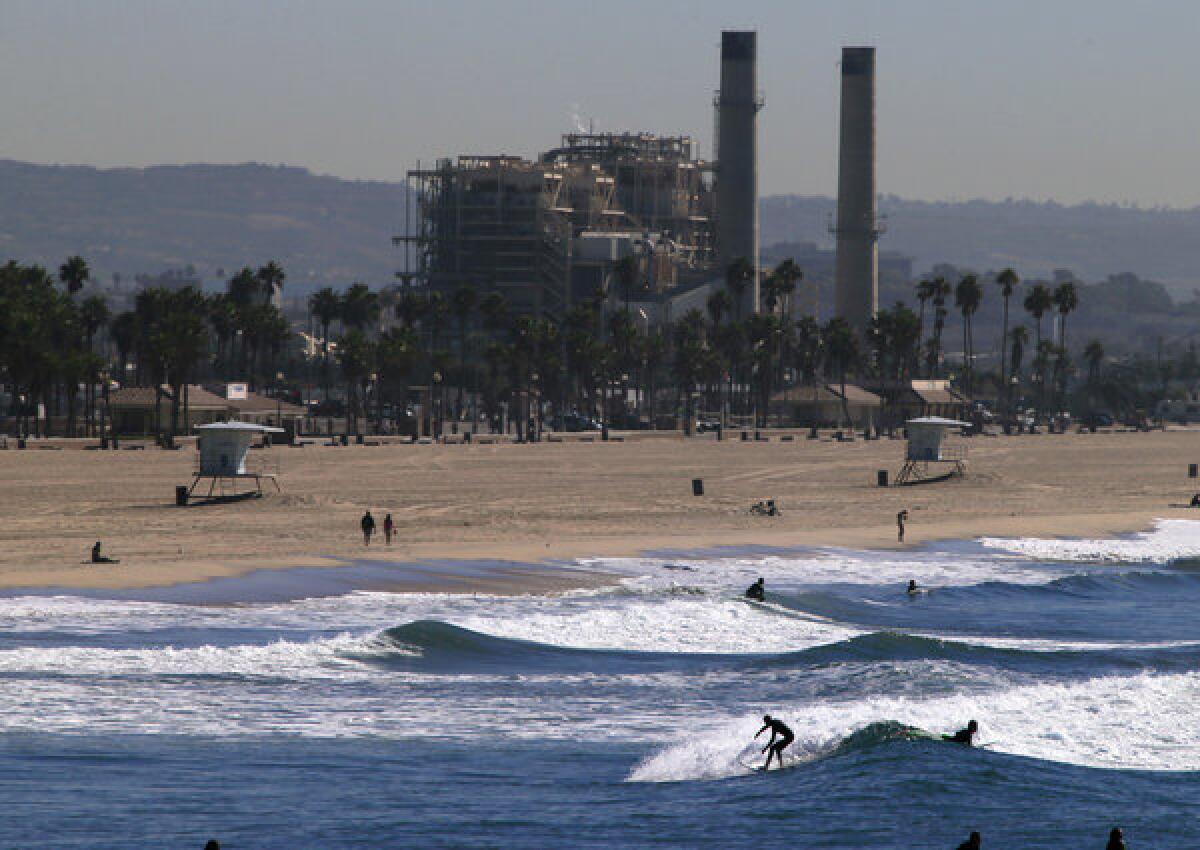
(926,446)
(223,447)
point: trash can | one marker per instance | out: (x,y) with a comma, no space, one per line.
(181,496)
(745,436)
(359,439)
(345,440)
(697,486)
(881,478)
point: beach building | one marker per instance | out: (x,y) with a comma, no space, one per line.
(930,398)
(132,409)
(822,405)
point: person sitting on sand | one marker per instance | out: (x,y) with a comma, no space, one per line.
(757,591)
(97,558)
(368,527)
(975,842)
(964,736)
(775,748)
(1116,840)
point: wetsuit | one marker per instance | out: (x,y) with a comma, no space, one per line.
(962,736)
(781,739)
(756,592)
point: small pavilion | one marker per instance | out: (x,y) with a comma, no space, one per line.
(223,447)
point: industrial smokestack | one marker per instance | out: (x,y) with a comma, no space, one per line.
(857,229)
(737,157)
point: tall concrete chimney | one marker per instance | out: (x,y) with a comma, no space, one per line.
(857,230)
(737,157)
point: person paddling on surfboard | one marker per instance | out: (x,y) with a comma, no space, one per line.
(775,747)
(964,736)
(757,591)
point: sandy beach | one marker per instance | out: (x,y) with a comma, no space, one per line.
(558,501)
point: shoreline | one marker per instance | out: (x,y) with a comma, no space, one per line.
(537,508)
(516,570)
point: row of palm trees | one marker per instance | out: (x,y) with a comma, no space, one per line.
(53,342)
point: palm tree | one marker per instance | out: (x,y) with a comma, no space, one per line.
(967,297)
(271,278)
(494,311)
(1007,280)
(1037,303)
(185,344)
(357,357)
(74,273)
(718,305)
(410,308)
(738,277)
(1066,300)
(925,293)
(940,288)
(326,305)
(841,353)
(786,276)
(360,307)
(93,315)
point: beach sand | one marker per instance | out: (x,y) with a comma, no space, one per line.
(557,501)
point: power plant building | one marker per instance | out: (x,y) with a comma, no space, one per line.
(550,232)
(857,228)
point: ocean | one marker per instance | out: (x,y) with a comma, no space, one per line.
(622,717)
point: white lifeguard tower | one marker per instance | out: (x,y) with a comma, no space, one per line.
(223,447)
(926,445)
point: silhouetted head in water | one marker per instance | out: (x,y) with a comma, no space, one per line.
(1116,839)
(912,585)
(212,845)
(975,842)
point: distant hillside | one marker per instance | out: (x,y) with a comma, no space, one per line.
(213,217)
(327,230)
(1092,240)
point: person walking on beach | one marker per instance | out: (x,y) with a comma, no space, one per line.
(775,748)
(389,528)
(368,527)
(901,518)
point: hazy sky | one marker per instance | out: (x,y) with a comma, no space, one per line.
(1064,99)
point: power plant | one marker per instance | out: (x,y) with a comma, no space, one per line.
(737,105)
(857,228)
(638,216)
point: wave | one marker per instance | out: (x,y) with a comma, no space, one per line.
(1169,540)
(1126,722)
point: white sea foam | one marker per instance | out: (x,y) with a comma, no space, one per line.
(1168,540)
(1118,722)
(830,566)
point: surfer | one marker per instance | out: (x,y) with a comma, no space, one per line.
(975,842)
(963,736)
(775,748)
(757,591)
(1116,839)
(913,590)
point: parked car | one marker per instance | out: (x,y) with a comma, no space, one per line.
(705,425)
